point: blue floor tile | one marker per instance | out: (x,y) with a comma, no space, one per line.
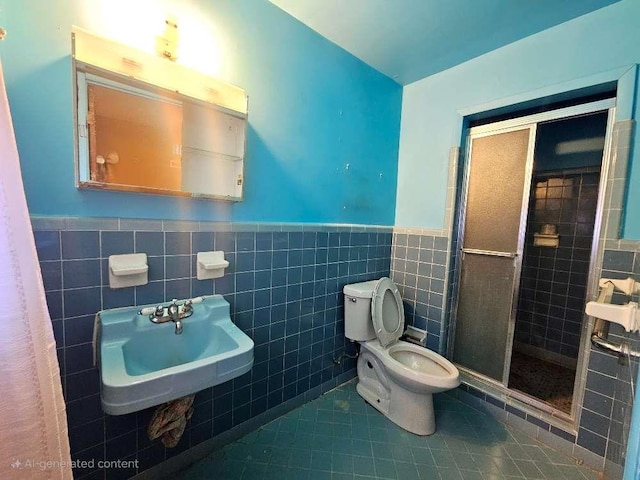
(339,436)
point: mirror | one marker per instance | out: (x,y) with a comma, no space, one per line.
(142,137)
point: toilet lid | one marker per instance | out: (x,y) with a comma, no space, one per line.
(387,312)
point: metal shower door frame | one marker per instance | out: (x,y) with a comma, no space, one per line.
(482,132)
(529,121)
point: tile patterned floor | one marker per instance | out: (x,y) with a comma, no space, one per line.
(339,436)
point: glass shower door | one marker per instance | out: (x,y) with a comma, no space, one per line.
(499,169)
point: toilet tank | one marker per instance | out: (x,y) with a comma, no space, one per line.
(357,311)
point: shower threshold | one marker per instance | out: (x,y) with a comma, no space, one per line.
(525,404)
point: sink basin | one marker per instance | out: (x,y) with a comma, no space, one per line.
(143,364)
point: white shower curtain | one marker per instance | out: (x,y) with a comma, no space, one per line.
(33,426)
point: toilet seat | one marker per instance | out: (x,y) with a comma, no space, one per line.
(387,312)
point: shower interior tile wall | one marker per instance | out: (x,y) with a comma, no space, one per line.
(418,268)
(553,282)
(285,291)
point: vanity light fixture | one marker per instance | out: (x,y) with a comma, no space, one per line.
(167,44)
(102,56)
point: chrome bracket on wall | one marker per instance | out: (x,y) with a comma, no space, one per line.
(623,351)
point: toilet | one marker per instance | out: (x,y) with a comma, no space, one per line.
(398,378)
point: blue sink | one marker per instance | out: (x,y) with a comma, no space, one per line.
(143,364)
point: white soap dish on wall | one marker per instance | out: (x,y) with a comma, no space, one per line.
(129,270)
(547,236)
(210,265)
(542,240)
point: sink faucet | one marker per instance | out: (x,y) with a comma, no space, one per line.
(174,314)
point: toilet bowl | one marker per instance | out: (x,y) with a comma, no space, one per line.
(396,377)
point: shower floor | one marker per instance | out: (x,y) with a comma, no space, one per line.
(544,380)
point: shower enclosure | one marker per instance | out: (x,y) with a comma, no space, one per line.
(527,234)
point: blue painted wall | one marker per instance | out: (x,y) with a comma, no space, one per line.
(603,40)
(313,109)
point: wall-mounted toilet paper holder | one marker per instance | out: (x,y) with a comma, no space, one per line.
(627,315)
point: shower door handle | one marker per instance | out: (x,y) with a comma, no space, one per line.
(490,253)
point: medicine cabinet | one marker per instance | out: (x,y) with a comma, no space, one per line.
(146,124)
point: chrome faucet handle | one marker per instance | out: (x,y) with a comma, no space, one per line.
(187,306)
(194,300)
(159,311)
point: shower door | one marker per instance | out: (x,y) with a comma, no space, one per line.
(498,178)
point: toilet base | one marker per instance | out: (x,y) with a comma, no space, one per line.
(409,410)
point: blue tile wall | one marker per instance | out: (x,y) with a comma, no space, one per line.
(553,282)
(285,291)
(606,413)
(284,288)
(418,268)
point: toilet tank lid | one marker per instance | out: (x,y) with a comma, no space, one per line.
(360,290)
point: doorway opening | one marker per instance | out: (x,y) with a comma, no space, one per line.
(528,229)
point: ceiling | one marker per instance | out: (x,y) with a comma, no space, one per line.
(410,39)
